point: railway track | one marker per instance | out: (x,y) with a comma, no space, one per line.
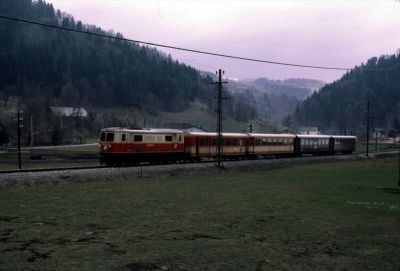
(149,165)
(92,167)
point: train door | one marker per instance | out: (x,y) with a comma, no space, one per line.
(250,146)
(297,147)
(197,146)
(332,145)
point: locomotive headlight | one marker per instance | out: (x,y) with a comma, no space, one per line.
(105,147)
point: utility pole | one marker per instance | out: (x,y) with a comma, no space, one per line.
(219,119)
(398,181)
(368,128)
(31,132)
(251,128)
(19,126)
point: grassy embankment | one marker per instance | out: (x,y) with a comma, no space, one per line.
(333,216)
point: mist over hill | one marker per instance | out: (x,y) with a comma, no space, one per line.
(342,105)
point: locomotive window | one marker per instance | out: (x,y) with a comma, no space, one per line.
(168,138)
(123,137)
(102,136)
(138,138)
(110,137)
(159,138)
(180,138)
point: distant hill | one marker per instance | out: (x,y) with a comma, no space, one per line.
(298,88)
(341,105)
(269,105)
(274,99)
(311,84)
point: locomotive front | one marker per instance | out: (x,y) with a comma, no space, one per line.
(121,146)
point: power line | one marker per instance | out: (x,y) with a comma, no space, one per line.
(185,49)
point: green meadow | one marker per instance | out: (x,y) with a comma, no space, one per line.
(331,216)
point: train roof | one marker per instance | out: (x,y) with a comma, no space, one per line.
(142,131)
(272,135)
(344,136)
(313,136)
(328,136)
(216,134)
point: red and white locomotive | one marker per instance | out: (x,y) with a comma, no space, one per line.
(125,146)
(121,146)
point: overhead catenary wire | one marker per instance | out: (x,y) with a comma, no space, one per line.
(185,49)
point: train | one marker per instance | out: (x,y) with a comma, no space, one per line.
(122,146)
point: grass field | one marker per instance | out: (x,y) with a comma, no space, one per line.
(336,216)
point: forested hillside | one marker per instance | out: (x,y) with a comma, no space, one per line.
(43,67)
(74,69)
(342,105)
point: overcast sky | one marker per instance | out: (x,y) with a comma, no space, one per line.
(321,33)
